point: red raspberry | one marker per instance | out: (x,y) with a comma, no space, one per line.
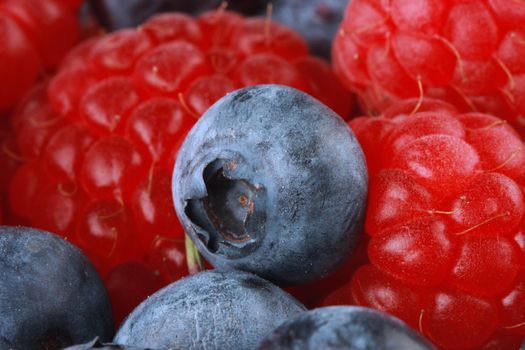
(445,221)
(9,162)
(102,136)
(468,53)
(35,36)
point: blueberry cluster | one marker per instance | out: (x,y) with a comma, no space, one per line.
(271,186)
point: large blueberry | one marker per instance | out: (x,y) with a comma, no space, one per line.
(50,294)
(316,20)
(344,328)
(210,310)
(271,181)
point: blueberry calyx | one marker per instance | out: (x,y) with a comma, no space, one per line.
(230,207)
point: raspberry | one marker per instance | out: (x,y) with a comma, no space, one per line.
(467,53)
(445,221)
(128,285)
(28,32)
(9,162)
(102,135)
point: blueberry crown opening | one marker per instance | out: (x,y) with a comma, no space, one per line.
(224,212)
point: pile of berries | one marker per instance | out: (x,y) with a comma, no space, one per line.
(99,139)
(241,223)
(269,182)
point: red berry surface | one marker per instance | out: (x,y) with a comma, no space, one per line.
(468,53)
(9,162)
(445,221)
(100,138)
(35,36)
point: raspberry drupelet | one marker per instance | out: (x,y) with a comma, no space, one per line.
(100,138)
(35,36)
(468,53)
(445,222)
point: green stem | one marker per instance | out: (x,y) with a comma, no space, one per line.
(193,258)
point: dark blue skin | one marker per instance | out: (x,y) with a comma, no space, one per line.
(117,14)
(209,310)
(50,294)
(273,182)
(316,20)
(344,328)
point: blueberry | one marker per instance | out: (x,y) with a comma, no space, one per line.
(96,344)
(344,327)
(117,14)
(316,20)
(209,310)
(50,294)
(195,7)
(272,182)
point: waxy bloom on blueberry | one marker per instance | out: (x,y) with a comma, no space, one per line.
(273,182)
